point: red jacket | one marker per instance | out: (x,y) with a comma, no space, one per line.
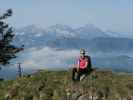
(84,63)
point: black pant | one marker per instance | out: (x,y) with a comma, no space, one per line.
(76,74)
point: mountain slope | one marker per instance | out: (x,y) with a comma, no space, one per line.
(100,44)
(89,31)
(118,34)
(111,44)
(122,63)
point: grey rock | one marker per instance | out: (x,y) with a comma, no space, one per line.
(75,95)
(84,97)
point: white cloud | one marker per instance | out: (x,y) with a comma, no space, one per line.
(48,58)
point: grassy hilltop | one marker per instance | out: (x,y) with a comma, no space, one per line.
(57,85)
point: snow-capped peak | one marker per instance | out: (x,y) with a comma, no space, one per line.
(31,29)
(61,30)
(61,27)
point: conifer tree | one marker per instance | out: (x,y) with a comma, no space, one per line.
(7,49)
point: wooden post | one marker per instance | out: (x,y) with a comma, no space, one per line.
(19,70)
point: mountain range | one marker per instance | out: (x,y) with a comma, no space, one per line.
(103,46)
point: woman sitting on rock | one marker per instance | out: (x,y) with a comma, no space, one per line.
(83,67)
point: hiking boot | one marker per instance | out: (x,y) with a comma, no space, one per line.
(82,77)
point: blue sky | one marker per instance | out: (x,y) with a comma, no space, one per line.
(115,15)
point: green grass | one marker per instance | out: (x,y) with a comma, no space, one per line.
(57,85)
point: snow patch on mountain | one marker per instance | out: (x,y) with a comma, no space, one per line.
(59,30)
